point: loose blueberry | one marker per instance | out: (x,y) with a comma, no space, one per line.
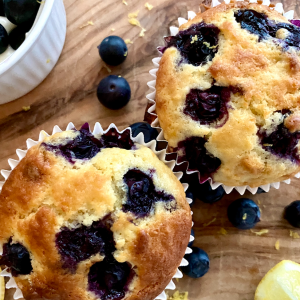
(198,263)
(16,257)
(206,194)
(260,191)
(193,150)
(190,244)
(197,45)
(21,11)
(113,50)
(142,195)
(114,92)
(243,213)
(17,37)
(3,39)
(292,213)
(149,132)
(190,194)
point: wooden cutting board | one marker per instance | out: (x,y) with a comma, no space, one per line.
(239,259)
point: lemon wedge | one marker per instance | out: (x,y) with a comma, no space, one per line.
(281,283)
(2,287)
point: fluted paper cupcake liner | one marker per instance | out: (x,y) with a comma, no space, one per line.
(152,110)
(98,130)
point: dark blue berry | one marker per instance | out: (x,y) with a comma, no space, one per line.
(198,263)
(209,106)
(199,158)
(206,194)
(81,243)
(16,257)
(190,244)
(86,146)
(114,92)
(197,45)
(292,213)
(260,191)
(149,132)
(142,195)
(3,39)
(2,14)
(17,37)
(21,11)
(110,279)
(281,141)
(243,213)
(113,50)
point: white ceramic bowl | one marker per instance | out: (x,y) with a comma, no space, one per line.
(27,67)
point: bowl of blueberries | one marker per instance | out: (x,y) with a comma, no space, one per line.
(32,36)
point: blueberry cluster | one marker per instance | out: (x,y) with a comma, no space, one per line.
(86,146)
(21,13)
(113,91)
(259,24)
(108,279)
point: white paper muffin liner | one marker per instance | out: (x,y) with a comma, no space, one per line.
(97,130)
(155,124)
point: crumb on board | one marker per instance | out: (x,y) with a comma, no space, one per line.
(149,6)
(210,222)
(178,296)
(107,68)
(261,232)
(128,41)
(87,24)
(126,53)
(133,15)
(194,39)
(26,108)
(142,33)
(113,29)
(223,231)
(277,245)
(294,234)
(124,2)
(258,202)
(134,22)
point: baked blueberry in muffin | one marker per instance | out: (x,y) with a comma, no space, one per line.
(92,217)
(227,94)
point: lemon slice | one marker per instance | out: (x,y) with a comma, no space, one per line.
(2,287)
(281,283)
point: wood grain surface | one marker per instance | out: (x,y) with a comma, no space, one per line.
(239,259)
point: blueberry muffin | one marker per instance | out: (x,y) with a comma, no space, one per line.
(92,217)
(228,94)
